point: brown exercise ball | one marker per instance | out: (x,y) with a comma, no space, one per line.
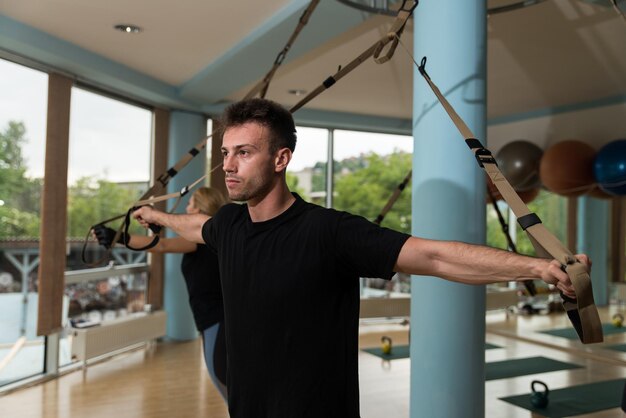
(566,168)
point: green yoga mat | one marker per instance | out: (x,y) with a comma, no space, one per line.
(397,352)
(570,333)
(402,351)
(524,366)
(575,400)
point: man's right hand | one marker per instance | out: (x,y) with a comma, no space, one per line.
(146,215)
(188,226)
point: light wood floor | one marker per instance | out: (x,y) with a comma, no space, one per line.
(171,380)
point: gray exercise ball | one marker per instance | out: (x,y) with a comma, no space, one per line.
(519,162)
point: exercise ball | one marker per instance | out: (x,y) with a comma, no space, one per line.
(519,162)
(609,167)
(566,168)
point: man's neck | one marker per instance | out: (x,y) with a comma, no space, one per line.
(278,200)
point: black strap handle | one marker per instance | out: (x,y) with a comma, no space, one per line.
(154,228)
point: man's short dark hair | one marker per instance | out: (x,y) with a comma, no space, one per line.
(266,113)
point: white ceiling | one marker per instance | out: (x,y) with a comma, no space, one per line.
(556,53)
(179,39)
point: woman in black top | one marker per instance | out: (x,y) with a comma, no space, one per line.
(200,270)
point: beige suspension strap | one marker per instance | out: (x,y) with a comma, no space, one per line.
(393,198)
(262,86)
(179,194)
(582,311)
(123,228)
(375,50)
(392,37)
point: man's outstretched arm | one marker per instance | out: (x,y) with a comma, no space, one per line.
(187,226)
(477,264)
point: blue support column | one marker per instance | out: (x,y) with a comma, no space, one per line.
(593,239)
(448,319)
(186,130)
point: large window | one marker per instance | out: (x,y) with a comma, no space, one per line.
(367,169)
(108,170)
(109,167)
(23,98)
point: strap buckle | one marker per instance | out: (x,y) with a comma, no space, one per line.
(484,156)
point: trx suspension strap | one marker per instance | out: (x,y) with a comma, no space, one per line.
(393,198)
(582,311)
(375,50)
(393,37)
(159,185)
(146,199)
(262,86)
(156,228)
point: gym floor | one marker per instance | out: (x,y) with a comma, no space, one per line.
(171,379)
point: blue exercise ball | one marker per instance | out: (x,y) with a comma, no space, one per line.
(609,167)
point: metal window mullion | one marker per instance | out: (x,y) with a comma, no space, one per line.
(51,354)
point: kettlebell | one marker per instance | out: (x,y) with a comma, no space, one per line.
(539,399)
(386,344)
(617,320)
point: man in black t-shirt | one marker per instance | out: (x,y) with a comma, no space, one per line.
(291,340)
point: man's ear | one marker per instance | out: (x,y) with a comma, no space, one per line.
(283,156)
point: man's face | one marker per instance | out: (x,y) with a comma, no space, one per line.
(248,163)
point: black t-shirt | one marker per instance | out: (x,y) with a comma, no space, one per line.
(291,300)
(202,276)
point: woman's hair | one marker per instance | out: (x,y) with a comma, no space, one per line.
(208,200)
